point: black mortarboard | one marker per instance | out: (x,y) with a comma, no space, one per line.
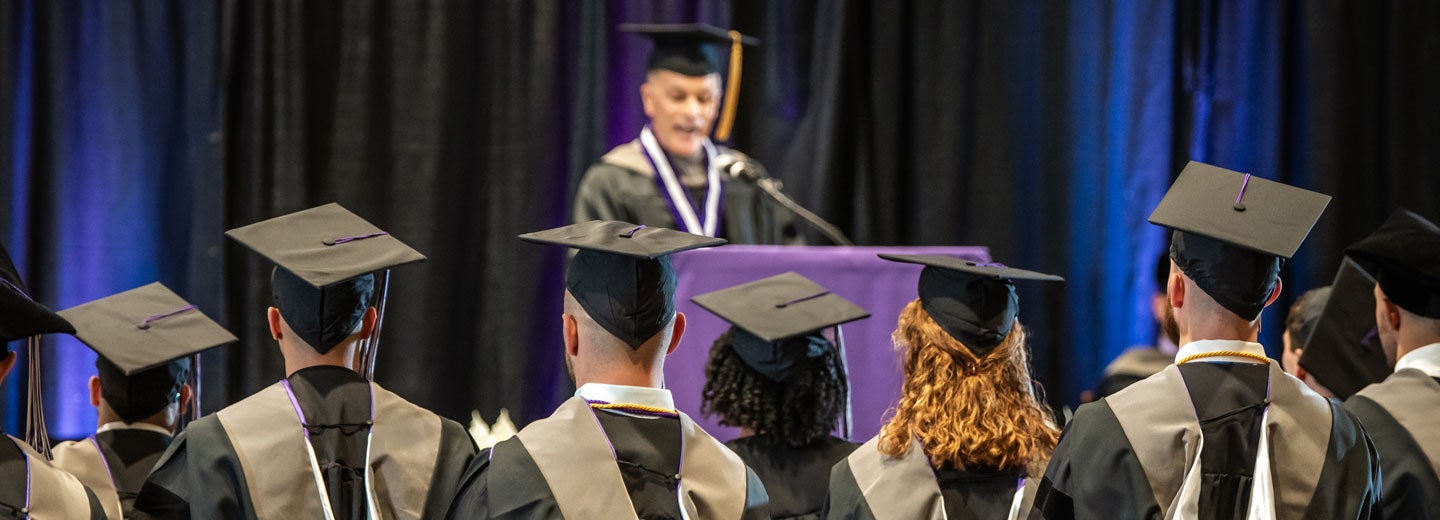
(1232,231)
(974,303)
(325,257)
(1342,349)
(20,316)
(693,49)
(622,275)
(1403,256)
(144,337)
(778,320)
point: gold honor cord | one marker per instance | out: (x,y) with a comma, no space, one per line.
(732,91)
(632,407)
(1223,353)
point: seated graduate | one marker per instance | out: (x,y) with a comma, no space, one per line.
(1140,362)
(1222,433)
(325,442)
(1299,325)
(1342,352)
(145,338)
(1400,412)
(30,487)
(969,437)
(777,377)
(618,448)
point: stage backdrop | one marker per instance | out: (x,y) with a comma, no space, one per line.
(133,133)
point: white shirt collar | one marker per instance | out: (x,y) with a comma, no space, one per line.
(119,425)
(1425,359)
(641,395)
(1217,345)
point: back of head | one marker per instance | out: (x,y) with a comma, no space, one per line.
(322,317)
(1305,314)
(967,411)
(603,350)
(142,394)
(801,407)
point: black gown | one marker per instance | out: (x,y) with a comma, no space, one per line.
(16,485)
(1096,471)
(506,481)
(796,479)
(1400,415)
(621,186)
(203,474)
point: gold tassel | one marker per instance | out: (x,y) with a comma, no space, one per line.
(732,91)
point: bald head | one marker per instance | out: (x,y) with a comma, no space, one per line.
(594,355)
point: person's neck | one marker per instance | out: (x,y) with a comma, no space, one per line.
(300,357)
(163,419)
(640,378)
(1226,330)
(1407,343)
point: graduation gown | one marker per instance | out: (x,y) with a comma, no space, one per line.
(583,463)
(113,464)
(622,187)
(250,460)
(28,481)
(1127,456)
(1400,415)
(869,485)
(796,479)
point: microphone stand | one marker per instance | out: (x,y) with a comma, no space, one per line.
(771,187)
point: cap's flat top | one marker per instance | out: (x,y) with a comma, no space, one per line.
(622,238)
(1269,217)
(325,245)
(780,307)
(694,32)
(145,327)
(988,270)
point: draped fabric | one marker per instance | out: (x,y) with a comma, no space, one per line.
(133,133)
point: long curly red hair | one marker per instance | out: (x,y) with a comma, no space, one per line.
(968,412)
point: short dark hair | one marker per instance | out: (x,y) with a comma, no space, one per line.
(803,408)
(1304,314)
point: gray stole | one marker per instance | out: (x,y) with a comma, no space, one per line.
(83,460)
(1408,396)
(270,445)
(897,488)
(54,494)
(578,464)
(1157,427)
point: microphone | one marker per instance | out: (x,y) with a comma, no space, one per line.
(737,168)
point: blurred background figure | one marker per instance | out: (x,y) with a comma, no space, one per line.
(1143,361)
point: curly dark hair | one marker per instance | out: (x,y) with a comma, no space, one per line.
(803,408)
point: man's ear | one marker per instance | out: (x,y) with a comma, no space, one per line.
(367,322)
(676,332)
(273,316)
(7,362)
(1392,314)
(1175,289)
(571,335)
(187,394)
(95,391)
(646,101)
(1275,294)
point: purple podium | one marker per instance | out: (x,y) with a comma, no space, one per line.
(855,273)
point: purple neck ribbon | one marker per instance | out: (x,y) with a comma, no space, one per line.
(343,240)
(157,317)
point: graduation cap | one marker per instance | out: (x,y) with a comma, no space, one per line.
(777,320)
(146,338)
(622,275)
(23,317)
(974,303)
(1232,230)
(326,258)
(1342,349)
(1403,256)
(693,49)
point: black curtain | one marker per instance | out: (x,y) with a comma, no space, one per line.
(1044,131)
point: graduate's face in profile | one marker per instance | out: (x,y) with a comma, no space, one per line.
(681,109)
